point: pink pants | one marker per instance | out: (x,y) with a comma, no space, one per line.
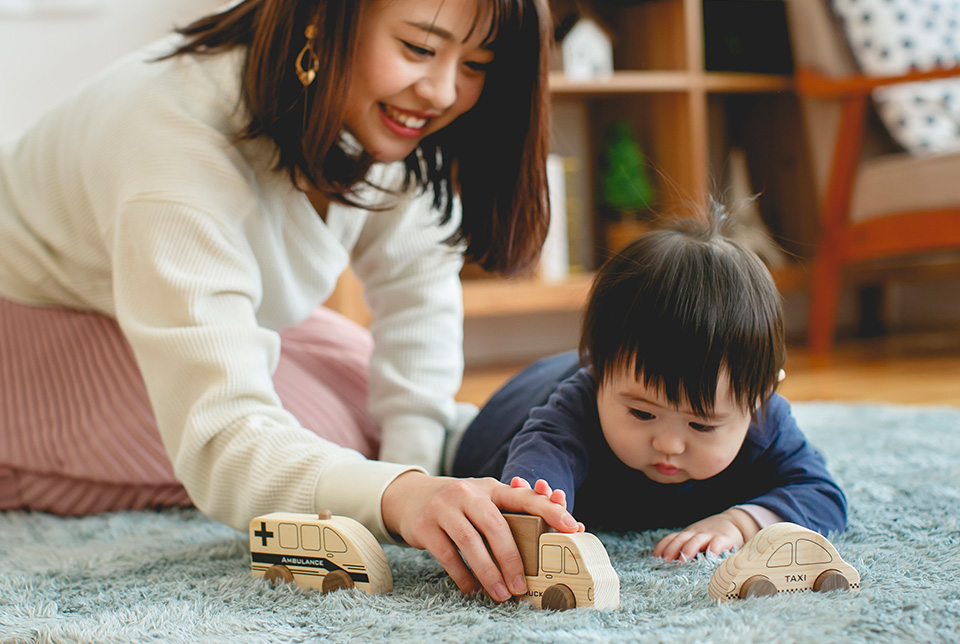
(77,433)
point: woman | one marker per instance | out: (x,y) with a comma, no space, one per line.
(167,235)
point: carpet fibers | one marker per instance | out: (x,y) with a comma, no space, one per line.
(175,576)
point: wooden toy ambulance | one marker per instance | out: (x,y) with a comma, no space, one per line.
(563,570)
(782,558)
(318,551)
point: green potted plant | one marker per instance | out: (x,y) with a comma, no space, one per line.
(626,193)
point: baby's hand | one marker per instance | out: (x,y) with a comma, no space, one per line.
(542,488)
(716,534)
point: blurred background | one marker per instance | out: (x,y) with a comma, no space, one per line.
(658,106)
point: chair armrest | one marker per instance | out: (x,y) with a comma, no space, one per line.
(813,84)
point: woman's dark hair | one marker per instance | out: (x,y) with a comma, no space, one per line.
(494,155)
(683,305)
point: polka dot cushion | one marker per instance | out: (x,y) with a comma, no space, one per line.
(891,37)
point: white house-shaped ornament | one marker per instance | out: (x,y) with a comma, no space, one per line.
(587,51)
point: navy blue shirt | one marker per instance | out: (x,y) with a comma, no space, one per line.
(560,441)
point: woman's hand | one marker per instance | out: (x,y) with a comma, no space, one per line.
(451,517)
(718,533)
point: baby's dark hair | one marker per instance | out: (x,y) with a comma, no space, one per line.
(683,304)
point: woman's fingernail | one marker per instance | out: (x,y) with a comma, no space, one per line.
(569,522)
(519,585)
(500,593)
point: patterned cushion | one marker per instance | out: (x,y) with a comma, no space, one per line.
(890,37)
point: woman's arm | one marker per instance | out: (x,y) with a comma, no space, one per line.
(412,285)
(186,289)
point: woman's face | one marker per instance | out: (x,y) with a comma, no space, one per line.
(419,65)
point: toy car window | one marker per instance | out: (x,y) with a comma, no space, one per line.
(809,552)
(782,556)
(570,565)
(310,537)
(551,558)
(288,535)
(334,541)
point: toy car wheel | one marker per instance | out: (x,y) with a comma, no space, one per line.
(336,580)
(558,597)
(757,586)
(831,580)
(278,573)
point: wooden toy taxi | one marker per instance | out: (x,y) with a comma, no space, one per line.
(782,558)
(563,570)
(318,551)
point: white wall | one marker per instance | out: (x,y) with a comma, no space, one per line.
(49,47)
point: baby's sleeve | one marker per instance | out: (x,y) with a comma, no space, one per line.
(411,280)
(552,444)
(803,491)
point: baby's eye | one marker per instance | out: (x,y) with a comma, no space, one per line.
(700,427)
(642,415)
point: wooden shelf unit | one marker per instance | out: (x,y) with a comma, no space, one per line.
(493,297)
(680,114)
(685,118)
(488,298)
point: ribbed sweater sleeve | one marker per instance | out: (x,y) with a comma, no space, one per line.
(137,200)
(186,290)
(411,281)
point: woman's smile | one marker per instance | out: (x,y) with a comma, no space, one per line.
(404,122)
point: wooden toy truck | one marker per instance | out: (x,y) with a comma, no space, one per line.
(782,558)
(318,551)
(563,570)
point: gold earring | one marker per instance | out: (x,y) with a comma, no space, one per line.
(307,75)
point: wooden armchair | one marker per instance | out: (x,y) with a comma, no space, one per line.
(877,202)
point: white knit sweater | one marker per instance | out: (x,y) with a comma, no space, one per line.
(135,199)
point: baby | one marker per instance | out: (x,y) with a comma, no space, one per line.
(669,415)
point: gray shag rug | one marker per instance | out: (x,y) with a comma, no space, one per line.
(175,576)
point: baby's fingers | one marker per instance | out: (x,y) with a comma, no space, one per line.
(681,545)
(721,544)
(663,544)
(556,496)
(542,488)
(559,497)
(514,500)
(697,543)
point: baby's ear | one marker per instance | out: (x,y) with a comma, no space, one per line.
(780,376)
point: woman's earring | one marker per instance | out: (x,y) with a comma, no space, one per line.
(308,73)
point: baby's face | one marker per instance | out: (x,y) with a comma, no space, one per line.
(669,444)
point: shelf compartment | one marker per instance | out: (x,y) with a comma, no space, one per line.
(498,297)
(487,298)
